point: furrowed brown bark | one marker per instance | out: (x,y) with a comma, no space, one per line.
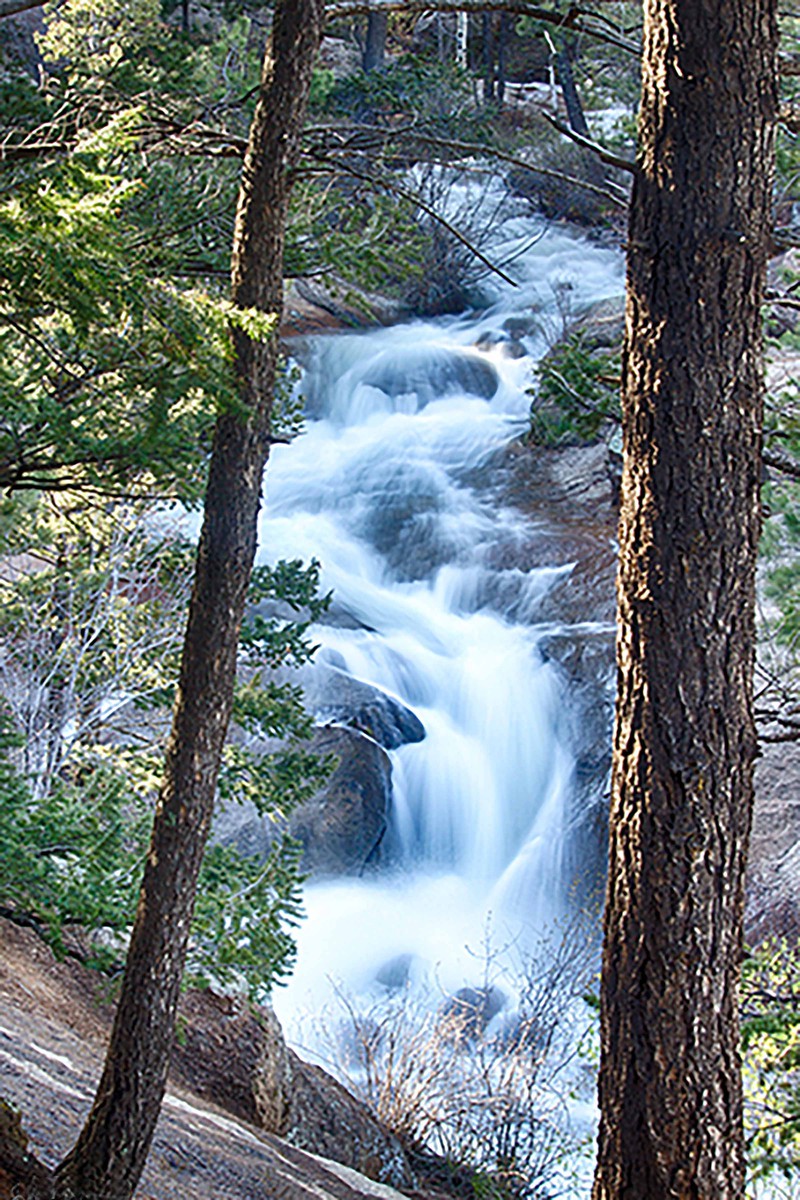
(670,1087)
(110,1153)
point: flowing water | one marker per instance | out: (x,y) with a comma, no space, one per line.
(382,488)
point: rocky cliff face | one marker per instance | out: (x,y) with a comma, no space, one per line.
(243,1115)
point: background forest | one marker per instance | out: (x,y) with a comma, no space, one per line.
(122,131)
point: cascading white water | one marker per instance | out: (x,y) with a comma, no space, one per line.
(380,488)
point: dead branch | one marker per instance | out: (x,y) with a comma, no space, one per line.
(605,156)
(575,18)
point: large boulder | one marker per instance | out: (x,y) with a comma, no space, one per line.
(433,373)
(236,1056)
(337,698)
(342,826)
(327,1120)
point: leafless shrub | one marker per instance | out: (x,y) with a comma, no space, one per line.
(489,1099)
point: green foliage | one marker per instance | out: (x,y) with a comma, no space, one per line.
(577,394)
(437,96)
(362,231)
(90,624)
(110,378)
(244,916)
(771,1047)
(787,139)
(92,37)
(76,855)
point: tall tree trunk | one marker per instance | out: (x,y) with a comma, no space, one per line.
(566,79)
(462,39)
(670,1088)
(375,44)
(109,1155)
(488,59)
(502,50)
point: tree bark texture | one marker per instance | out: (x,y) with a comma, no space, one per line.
(109,1155)
(684,743)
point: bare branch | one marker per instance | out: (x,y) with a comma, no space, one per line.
(573,18)
(411,134)
(390,185)
(9,8)
(779,460)
(789,64)
(605,156)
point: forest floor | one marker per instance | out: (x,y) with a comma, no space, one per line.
(54,1020)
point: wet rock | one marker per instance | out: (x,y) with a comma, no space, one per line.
(341,828)
(585,658)
(431,374)
(323,307)
(338,698)
(395,973)
(509,344)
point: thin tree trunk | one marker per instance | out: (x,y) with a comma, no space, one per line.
(488,60)
(502,48)
(110,1153)
(670,1087)
(572,100)
(462,39)
(375,45)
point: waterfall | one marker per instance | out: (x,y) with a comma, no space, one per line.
(386,487)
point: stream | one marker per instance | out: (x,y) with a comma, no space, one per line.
(381,488)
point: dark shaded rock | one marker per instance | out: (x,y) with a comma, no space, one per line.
(21,1174)
(471,1009)
(341,828)
(336,697)
(510,344)
(234,1055)
(19,50)
(340,699)
(325,1119)
(395,973)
